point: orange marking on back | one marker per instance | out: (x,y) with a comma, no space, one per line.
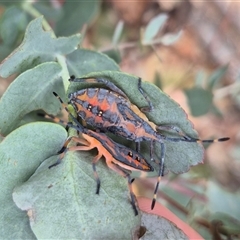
(94,143)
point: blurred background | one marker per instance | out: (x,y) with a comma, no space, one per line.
(189,49)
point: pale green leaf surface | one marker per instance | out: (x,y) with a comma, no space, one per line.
(74,15)
(117,33)
(180,155)
(63,203)
(21,152)
(13,18)
(154,27)
(83,61)
(50,13)
(217,76)
(171,38)
(221,200)
(199,100)
(160,228)
(38,46)
(32,90)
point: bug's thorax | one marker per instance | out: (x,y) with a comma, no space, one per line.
(97,106)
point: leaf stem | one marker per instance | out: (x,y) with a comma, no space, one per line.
(27,6)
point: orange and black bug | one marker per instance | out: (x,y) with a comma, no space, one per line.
(118,157)
(111,110)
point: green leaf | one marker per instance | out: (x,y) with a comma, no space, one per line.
(32,90)
(153,27)
(13,24)
(170,38)
(200,78)
(114,54)
(37,47)
(216,76)
(83,61)
(51,14)
(229,203)
(157,80)
(10,3)
(5,50)
(199,100)
(64,205)
(21,152)
(117,33)
(74,15)
(180,155)
(160,228)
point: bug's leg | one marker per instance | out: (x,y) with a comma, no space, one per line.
(173,128)
(62,153)
(95,159)
(104,81)
(133,197)
(185,137)
(149,108)
(120,171)
(138,146)
(160,174)
(64,149)
(151,149)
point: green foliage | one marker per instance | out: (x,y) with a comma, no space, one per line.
(200,99)
(13,18)
(37,47)
(154,26)
(66,193)
(31,90)
(21,152)
(83,61)
(74,14)
(216,77)
(153,33)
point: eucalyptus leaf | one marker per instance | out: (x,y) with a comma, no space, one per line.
(32,90)
(171,38)
(63,204)
(179,155)
(114,54)
(229,203)
(52,14)
(217,76)
(153,27)
(38,46)
(83,61)
(117,33)
(160,228)
(21,152)
(12,25)
(74,15)
(200,100)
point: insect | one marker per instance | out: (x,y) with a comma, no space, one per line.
(111,110)
(118,157)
